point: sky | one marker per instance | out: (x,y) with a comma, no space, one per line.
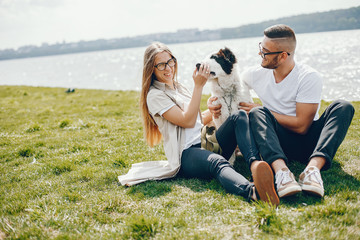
(34,22)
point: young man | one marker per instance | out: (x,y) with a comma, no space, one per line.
(288,126)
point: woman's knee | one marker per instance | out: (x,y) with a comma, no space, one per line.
(241,114)
(257,113)
(239,117)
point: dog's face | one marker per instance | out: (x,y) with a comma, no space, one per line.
(221,63)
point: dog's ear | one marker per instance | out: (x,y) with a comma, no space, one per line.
(229,54)
(226,59)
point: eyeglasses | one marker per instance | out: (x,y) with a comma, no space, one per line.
(162,66)
(269,53)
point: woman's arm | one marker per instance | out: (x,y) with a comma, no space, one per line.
(206,117)
(187,118)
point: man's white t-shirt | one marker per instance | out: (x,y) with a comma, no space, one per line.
(302,85)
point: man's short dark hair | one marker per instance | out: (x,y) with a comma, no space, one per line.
(280,31)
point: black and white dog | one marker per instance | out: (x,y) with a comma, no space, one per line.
(225,83)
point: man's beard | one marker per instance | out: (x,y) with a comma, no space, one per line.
(274,64)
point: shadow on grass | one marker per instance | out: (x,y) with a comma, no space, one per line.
(153,189)
(336,181)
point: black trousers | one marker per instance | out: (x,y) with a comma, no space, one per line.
(322,139)
(201,163)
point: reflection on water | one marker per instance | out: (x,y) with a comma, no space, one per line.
(334,54)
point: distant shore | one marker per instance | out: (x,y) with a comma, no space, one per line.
(336,20)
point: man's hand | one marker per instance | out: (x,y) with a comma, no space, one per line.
(214,109)
(248,106)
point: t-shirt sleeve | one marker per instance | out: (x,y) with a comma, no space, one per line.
(310,89)
(165,109)
(157,101)
(246,78)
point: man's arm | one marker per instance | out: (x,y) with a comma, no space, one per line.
(305,113)
(300,123)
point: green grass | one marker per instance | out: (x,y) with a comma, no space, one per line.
(60,155)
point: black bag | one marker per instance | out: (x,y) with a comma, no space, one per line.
(209,141)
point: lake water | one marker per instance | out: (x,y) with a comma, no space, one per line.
(336,55)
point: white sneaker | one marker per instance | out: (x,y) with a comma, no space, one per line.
(286,184)
(311,182)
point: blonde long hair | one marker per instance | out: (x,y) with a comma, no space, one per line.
(151,130)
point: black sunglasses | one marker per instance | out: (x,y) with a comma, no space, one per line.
(162,66)
(269,53)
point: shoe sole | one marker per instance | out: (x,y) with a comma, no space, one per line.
(264,183)
(313,190)
(289,191)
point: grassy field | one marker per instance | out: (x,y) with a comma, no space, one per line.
(60,155)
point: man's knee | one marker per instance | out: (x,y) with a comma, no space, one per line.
(345,107)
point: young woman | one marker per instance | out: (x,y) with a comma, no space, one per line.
(170,112)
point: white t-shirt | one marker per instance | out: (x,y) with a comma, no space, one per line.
(192,135)
(302,85)
(159,97)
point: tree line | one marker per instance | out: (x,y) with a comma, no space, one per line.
(344,19)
